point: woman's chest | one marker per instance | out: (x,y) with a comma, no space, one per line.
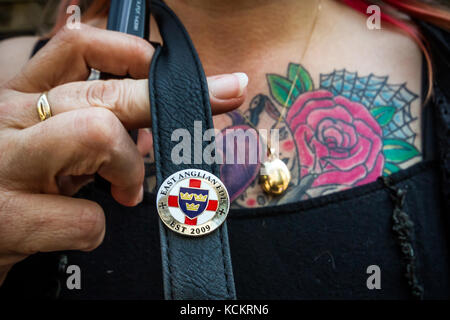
(338,119)
(339,111)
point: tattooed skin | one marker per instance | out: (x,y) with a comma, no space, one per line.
(346,132)
(343,133)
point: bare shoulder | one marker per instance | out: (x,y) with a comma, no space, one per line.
(388,54)
(14,54)
(387,50)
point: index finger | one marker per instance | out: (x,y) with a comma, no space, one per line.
(70,55)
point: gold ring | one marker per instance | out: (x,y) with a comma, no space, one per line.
(43,107)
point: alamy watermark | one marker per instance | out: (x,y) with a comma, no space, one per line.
(74,19)
(374,21)
(230,146)
(374,280)
(74,279)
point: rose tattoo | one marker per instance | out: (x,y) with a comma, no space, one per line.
(337,139)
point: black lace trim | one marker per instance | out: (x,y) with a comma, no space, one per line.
(403,228)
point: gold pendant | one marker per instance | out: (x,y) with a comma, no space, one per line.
(275,176)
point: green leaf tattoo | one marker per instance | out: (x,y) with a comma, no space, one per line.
(280,87)
(398,151)
(304,81)
(383,114)
(390,168)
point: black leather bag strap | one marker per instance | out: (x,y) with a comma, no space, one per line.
(193,267)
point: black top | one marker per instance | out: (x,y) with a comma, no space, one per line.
(314,249)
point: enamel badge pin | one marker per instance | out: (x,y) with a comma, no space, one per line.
(193,202)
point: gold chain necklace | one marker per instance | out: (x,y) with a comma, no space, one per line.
(275,176)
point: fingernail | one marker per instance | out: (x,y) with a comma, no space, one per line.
(243,81)
(228,86)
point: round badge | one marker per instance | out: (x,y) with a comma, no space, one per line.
(193,202)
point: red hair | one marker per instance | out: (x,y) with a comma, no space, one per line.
(413,8)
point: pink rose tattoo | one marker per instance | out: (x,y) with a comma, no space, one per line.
(338,140)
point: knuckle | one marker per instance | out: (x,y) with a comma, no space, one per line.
(69,35)
(91,227)
(73,39)
(114,95)
(141,47)
(108,94)
(97,128)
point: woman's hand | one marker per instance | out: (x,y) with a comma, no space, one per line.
(86,134)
